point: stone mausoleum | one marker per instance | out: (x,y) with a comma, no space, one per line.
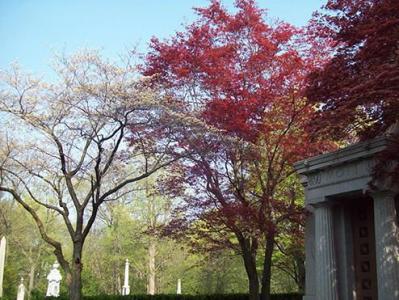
(352,232)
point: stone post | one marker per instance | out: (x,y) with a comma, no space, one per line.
(126,287)
(2,262)
(178,286)
(387,245)
(326,273)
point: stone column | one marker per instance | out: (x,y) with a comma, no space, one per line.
(344,250)
(387,245)
(310,281)
(326,272)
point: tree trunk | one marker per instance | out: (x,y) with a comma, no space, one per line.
(151,268)
(118,287)
(300,266)
(253,279)
(31,280)
(75,286)
(267,269)
(220,283)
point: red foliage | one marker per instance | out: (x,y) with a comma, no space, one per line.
(245,78)
(360,85)
(237,66)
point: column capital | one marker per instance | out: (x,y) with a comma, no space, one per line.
(309,208)
(382,193)
(324,204)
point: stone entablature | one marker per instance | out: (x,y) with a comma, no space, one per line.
(342,171)
(336,189)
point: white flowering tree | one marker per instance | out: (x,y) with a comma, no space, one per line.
(72,145)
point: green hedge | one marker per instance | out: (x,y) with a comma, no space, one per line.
(175,297)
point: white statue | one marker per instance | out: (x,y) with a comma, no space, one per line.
(54,279)
(21,290)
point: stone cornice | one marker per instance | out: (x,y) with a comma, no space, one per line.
(351,153)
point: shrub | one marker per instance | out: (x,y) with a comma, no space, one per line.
(291,296)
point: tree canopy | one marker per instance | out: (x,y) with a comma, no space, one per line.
(69,151)
(360,85)
(245,78)
(357,91)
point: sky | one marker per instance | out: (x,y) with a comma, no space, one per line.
(32,31)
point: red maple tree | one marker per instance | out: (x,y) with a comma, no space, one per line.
(244,79)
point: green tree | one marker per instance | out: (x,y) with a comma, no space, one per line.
(66,147)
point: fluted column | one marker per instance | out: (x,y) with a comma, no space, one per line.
(387,245)
(310,281)
(326,273)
